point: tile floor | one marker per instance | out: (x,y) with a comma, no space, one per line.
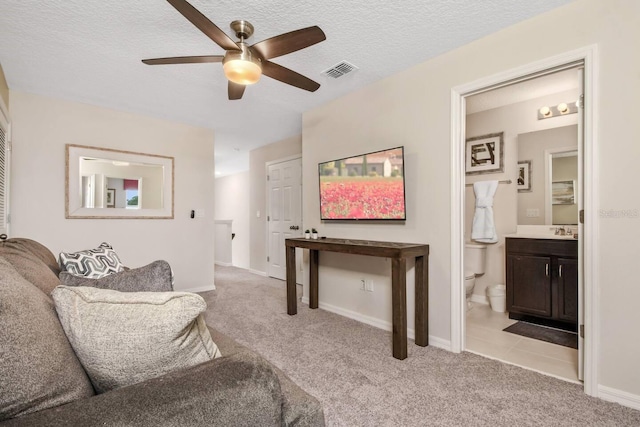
(485,336)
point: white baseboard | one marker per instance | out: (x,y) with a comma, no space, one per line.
(200,289)
(618,396)
(258,272)
(440,343)
(380,324)
(480,299)
(224,264)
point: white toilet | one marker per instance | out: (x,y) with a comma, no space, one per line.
(475,257)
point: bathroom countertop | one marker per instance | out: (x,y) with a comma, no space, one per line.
(539,236)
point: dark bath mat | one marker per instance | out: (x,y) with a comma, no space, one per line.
(555,336)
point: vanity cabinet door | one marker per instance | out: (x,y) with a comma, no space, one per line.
(529,280)
(568,289)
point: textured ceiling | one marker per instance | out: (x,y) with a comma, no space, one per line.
(90,51)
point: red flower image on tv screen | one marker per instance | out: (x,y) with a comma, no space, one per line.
(368,186)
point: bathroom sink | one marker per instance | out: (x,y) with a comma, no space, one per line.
(539,232)
(539,236)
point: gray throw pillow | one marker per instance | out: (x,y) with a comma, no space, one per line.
(123,338)
(92,263)
(38,368)
(30,267)
(155,277)
(35,248)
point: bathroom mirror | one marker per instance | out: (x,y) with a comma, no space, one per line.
(553,158)
(105,183)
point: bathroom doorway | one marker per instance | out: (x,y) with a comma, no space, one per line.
(464,106)
(520,202)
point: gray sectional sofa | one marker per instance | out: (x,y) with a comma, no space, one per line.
(44,384)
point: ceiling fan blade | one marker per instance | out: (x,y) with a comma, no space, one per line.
(289,42)
(184,60)
(235,91)
(290,77)
(204,24)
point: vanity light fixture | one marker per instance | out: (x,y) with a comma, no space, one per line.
(561,109)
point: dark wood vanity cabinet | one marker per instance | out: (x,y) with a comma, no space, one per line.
(542,280)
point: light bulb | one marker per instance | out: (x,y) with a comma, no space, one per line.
(241,67)
(242,72)
(562,108)
(545,111)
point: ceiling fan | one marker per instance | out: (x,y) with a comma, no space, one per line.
(243,64)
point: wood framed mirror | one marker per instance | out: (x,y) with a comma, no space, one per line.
(102,183)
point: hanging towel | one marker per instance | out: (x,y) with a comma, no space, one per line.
(484,229)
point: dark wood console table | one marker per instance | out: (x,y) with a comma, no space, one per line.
(398,252)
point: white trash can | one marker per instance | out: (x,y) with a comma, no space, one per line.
(498,297)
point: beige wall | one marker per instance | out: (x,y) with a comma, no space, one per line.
(4,88)
(232,203)
(258,159)
(412,109)
(41,128)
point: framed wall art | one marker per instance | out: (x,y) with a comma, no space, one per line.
(111,197)
(524,175)
(563,193)
(485,154)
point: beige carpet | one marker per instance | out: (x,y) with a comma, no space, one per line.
(348,366)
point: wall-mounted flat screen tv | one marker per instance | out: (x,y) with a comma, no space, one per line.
(363,187)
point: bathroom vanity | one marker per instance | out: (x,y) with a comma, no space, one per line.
(542,280)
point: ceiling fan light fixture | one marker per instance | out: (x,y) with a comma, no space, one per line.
(241,67)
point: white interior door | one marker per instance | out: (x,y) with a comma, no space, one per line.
(284,190)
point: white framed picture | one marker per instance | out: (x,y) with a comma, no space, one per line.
(485,154)
(524,175)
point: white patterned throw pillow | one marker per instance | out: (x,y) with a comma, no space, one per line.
(92,263)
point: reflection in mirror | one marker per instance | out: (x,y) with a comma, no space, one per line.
(552,154)
(564,175)
(103,183)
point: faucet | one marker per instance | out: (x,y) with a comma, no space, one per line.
(564,231)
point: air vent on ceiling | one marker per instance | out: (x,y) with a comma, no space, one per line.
(340,69)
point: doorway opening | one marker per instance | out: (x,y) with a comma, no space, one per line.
(583,59)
